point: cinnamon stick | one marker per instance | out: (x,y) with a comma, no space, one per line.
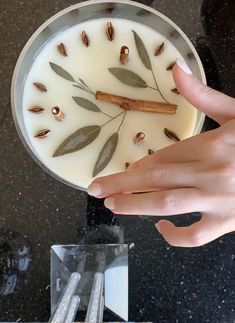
(136,105)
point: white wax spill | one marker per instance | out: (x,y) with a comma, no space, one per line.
(91,64)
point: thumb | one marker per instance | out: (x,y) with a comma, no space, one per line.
(216,105)
(195,235)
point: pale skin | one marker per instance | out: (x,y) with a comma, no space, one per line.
(194,175)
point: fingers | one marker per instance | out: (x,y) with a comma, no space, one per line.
(188,150)
(195,235)
(170,202)
(176,153)
(218,106)
(159,176)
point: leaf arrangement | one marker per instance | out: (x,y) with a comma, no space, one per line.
(86,104)
(132,79)
(86,135)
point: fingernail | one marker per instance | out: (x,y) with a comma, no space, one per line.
(183,66)
(157,225)
(94,189)
(109,203)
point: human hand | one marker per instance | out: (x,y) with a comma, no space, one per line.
(197,174)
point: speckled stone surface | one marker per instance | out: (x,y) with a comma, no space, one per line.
(166,284)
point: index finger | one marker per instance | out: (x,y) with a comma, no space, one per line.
(161,176)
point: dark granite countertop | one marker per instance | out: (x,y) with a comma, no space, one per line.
(166,284)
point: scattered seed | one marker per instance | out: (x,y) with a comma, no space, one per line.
(127,165)
(39,86)
(36,109)
(41,133)
(150,151)
(62,49)
(85,39)
(58,113)
(171,135)
(159,49)
(110,31)
(139,137)
(170,66)
(175,91)
(124,55)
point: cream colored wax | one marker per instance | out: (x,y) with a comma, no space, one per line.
(91,64)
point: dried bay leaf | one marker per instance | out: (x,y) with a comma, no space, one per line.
(106,154)
(81,80)
(142,51)
(61,72)
(78,140)
(79,87)
(86,104)
(128,77)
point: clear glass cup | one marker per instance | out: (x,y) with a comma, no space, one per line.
(85,11)
(83,263)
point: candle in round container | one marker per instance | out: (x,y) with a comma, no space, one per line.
(90,137)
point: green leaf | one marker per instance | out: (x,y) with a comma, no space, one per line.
(78,140)
(142,51)
(86,104)
(79,86)
(83,82)
(106,154)
(128,77)
(61,72)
